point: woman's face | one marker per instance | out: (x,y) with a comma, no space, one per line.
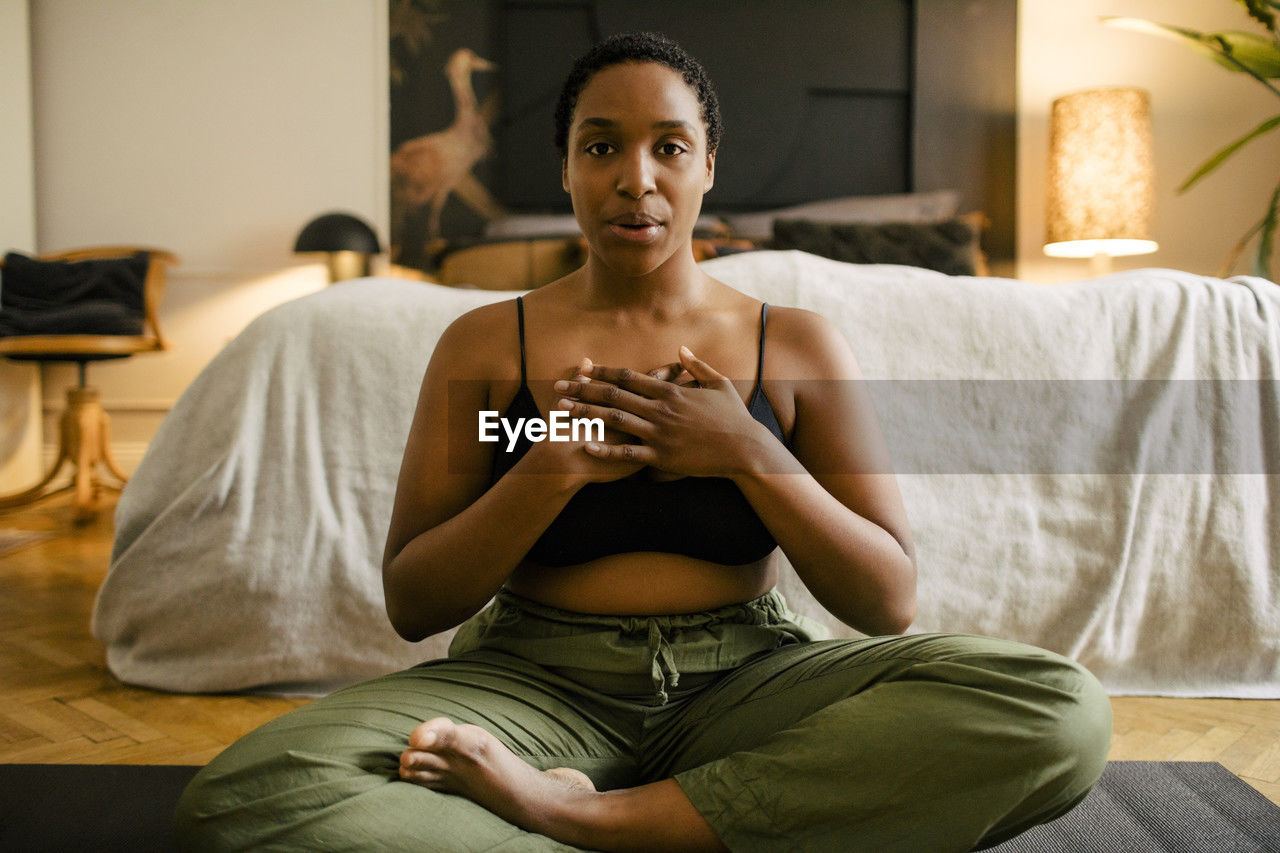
(637,165)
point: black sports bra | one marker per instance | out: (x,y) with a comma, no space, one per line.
(703,517)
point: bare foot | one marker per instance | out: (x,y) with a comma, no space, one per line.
(469,761)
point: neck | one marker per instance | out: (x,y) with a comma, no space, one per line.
(672,290)
(464,97)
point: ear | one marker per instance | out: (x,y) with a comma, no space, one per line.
(711,171)
(564,173)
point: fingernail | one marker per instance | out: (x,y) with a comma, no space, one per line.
(565,403)
(685,351)
(562,385)
(592,446)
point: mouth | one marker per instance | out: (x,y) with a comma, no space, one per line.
(636,227)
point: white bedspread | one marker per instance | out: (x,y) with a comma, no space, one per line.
(1131,525)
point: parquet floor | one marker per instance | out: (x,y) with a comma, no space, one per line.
(60,704)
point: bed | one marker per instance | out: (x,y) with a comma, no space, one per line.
(1089,467)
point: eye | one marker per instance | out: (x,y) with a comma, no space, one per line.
(671,149)
(598,149)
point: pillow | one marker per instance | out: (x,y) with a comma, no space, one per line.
(91,297)
(949,247)
(31,284)
(908,207)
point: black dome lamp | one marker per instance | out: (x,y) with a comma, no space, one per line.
(348,241)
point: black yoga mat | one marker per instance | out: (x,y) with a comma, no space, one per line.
(89,807)
(1161,807)
(1138,807)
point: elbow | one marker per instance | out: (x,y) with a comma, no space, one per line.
(900,605)
(893,618)
(899,620)
(408,628)
(404,618)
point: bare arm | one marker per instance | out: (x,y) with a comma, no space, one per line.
(834,507)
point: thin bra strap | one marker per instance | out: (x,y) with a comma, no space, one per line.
(520,317)
(764,316)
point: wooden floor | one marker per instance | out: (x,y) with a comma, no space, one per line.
(60,704)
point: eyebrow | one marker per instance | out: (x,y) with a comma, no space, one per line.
(675,124)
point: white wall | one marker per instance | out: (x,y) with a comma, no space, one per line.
(215,130)
(1196,107)
(19,383)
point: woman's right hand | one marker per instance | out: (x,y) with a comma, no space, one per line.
(570,458)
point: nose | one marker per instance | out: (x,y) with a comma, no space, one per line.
(636,174)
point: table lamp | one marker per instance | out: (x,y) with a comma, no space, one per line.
(347,240)
(1101,179)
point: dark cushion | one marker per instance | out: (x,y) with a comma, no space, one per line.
(33,285)
(93,297)
(950,246)
(84,318)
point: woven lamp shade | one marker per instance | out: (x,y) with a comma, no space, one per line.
(1101,179)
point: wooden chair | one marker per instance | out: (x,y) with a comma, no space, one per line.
(85,434)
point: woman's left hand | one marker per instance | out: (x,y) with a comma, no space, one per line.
(701,430)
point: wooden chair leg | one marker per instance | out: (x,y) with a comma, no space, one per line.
(107,458)
(84,440)
(39,490)
(88,439)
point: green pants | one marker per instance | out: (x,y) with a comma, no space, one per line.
(931,742)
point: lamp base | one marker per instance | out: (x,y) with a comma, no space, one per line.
(1100,264)
(346,265)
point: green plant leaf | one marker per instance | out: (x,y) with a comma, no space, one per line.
(1218,159)
(1256,53)
(1259,11)
(1262,264)
(1236,51)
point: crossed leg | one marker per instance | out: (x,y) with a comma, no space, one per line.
(927,742)
(327,775)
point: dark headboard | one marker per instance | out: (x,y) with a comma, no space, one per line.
(820,98)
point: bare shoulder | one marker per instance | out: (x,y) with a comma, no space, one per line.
(806,345)
(472,346)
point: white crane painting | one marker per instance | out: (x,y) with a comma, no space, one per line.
(426,170)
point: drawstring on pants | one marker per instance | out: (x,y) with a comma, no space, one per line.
(663,665)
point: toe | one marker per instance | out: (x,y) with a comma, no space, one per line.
(433,734)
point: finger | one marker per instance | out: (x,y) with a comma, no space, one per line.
(675,374)
(686,380)
(617,419)
(606,395)
(583,368)
(704,373)
(668,372)
(623,452)
(628,379)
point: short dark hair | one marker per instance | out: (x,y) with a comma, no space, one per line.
(637,47)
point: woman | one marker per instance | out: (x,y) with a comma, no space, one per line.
(637,685)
